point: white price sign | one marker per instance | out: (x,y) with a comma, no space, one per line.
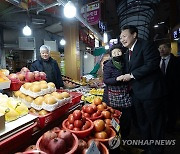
(93,149)
(115,125)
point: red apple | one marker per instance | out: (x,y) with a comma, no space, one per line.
(42,75)
(81,145)
(56,146)
(24,70)
(56,129)
(67,137)
(21,76)
(78,123)
(29,76)
(77,114)
(37,76)
(13,77)
(49,135)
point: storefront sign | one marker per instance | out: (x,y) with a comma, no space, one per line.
(91,12)
(176,34)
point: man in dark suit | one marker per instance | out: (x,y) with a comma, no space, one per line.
(148,88)
(170,67)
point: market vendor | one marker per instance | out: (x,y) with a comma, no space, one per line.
(48,65)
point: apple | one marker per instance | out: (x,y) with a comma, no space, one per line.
(24,70)
(78,123)
(29,77)
(101,135)
(106,114)
(49,135)
(97,101)
(56,129)
(37,76)
(31,147)
(71,119)
(87,115)
(81,145)
(42,75)
(77,114)
(89,109)
(21,76)
(99,125)
(94,107)
(71,126)
(56,146)
(13,77)
(84,151)
(107,130)
(67,137)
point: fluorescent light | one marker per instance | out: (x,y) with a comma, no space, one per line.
(156,26)
(62,42)
(27,30)
(69,10)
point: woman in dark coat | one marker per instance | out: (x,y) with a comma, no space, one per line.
(48,65)
(118,91)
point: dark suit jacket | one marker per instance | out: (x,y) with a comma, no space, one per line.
(144,65)
(172,77)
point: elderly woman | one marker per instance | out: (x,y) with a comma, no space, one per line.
(48,65)
(118,91)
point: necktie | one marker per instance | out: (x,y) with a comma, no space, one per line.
(130,54)
(163,66)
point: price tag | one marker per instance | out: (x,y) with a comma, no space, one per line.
(93,149)
(115,125)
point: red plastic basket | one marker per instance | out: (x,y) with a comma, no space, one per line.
(17,140)
(52,116)
(14,86)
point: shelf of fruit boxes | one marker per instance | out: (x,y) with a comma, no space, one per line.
(53,116)
(15,132)
(44,120)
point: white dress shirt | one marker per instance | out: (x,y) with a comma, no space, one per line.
(167,58)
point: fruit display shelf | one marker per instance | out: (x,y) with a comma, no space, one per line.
(52,116)
(15,132)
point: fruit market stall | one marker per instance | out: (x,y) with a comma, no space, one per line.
(92,125)
(86,129)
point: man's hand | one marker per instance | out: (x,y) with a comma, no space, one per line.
(120,78)
(127,77)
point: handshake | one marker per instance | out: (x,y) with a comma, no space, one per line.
(125,77)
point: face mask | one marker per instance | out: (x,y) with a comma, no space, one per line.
(117,58)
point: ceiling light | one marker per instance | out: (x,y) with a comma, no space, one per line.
(85,55)
(107,47)
(62,42)
(69,10)
(156,26)
(27,30)
(105,37)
